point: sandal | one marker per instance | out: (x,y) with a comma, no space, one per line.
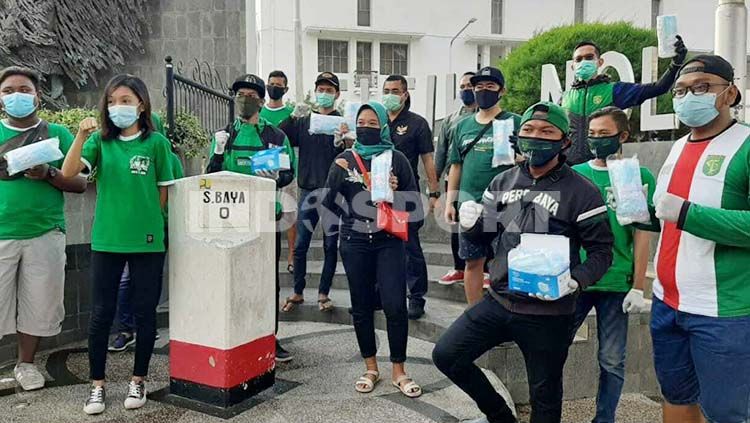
(290,303)
(290,268)
(325,304)
(368,382)
(411,389)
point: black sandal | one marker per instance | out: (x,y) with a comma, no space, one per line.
(290,268)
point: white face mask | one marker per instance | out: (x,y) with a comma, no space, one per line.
(123,116)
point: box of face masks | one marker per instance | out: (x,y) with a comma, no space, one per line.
(272,160)
(540,265)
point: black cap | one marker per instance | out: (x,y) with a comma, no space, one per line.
(488,73)
(250,81)
(713,64)
(328,78)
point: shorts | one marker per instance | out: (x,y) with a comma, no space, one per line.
(288,198)
(703,360)
(470,250)
(32,285)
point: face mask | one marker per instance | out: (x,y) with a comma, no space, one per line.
(696,110)
(123,116)
(467,97)
(392,102)
(487,99)
(368,136)
(539,152)
(275,93)
(19,105)
(585,69)
(247,107)
(603,147)
(325,100)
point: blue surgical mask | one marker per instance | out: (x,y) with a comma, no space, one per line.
(585,69)
(467,97)
(325,100)
(19,105)
(123,116)
(392,102)
(696,111)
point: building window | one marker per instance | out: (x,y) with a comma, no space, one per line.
(333,56)
(578,16)
(363,12)
(394,59)
(364,56)
(655,11)
(497,16)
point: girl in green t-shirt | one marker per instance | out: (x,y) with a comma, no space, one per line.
(133,164)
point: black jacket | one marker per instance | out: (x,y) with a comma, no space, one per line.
(559,203)
(316,152)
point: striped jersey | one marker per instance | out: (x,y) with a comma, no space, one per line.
(703,261)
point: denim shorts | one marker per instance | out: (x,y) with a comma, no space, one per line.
(703,360)
(470,250)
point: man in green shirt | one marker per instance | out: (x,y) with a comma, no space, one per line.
(32,226)
(471,168)
(234,148)
(620,290)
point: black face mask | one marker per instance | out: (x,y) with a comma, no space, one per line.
(275,93)
(487,99)
(368,136)
(247,107)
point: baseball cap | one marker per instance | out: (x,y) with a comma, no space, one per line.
(488,73)
(250,81)
(713,64)
(329,78)
(549,112)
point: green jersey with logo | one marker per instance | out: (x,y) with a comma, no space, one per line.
(128,217)
(476,167)
(30,208)
(619,277)
(276,116)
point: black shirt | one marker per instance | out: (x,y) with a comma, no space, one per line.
(412,136)
(316,152)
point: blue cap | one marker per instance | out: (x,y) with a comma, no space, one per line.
(488,73)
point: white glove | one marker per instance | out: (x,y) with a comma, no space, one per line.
(341,140)
(633,302)
(270,174)
(572,284)
(469,213)
(668,208)
(301,110)
(221,139)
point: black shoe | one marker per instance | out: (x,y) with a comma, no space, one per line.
(122,342)
(416,310)
(282,355)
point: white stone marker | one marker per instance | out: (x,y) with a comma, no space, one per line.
(222,287)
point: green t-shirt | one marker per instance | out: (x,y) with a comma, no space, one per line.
(247,143)
(619,277)
(476,168)
(158,124)
(128,217)
(276,116)
(29,208)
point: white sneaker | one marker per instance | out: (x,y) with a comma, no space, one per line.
(136,395)
(95,402)
(28,376)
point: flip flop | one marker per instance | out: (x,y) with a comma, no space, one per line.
(290,303)
(325,305)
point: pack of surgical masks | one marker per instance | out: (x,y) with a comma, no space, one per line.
(627,186)
(666,32)
(380,174)
(324,124)
(503,154)
(350,114)
(540,265)
(38,153)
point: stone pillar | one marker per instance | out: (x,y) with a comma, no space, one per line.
(222,287)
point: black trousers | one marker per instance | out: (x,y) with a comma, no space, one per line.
(543,340)
(145,285)
(377,262)
(458,262)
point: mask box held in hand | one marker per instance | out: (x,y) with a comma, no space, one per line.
(324,124)
(380,172)
(350,114)
(540,265)
(38,153)
(666,32)
(273,159)
(627,188)
(503,154)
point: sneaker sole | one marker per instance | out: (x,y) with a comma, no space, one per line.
(284,360)
(32,387)
(448,283)
(94,412)
(114,349)
(135,406)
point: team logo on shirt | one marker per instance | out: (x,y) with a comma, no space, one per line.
(712,166)
(402,129)
(139,165)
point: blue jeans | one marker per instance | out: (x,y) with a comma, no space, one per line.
(703,360)
(307,219)
(416,267)
(612,331)
(125,318)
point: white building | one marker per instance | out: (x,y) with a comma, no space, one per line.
(412,37)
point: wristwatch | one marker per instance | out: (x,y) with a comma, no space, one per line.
(435,194)
(51,173)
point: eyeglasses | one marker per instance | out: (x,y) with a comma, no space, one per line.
(697,89)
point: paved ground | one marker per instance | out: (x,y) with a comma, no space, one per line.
(316,387)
